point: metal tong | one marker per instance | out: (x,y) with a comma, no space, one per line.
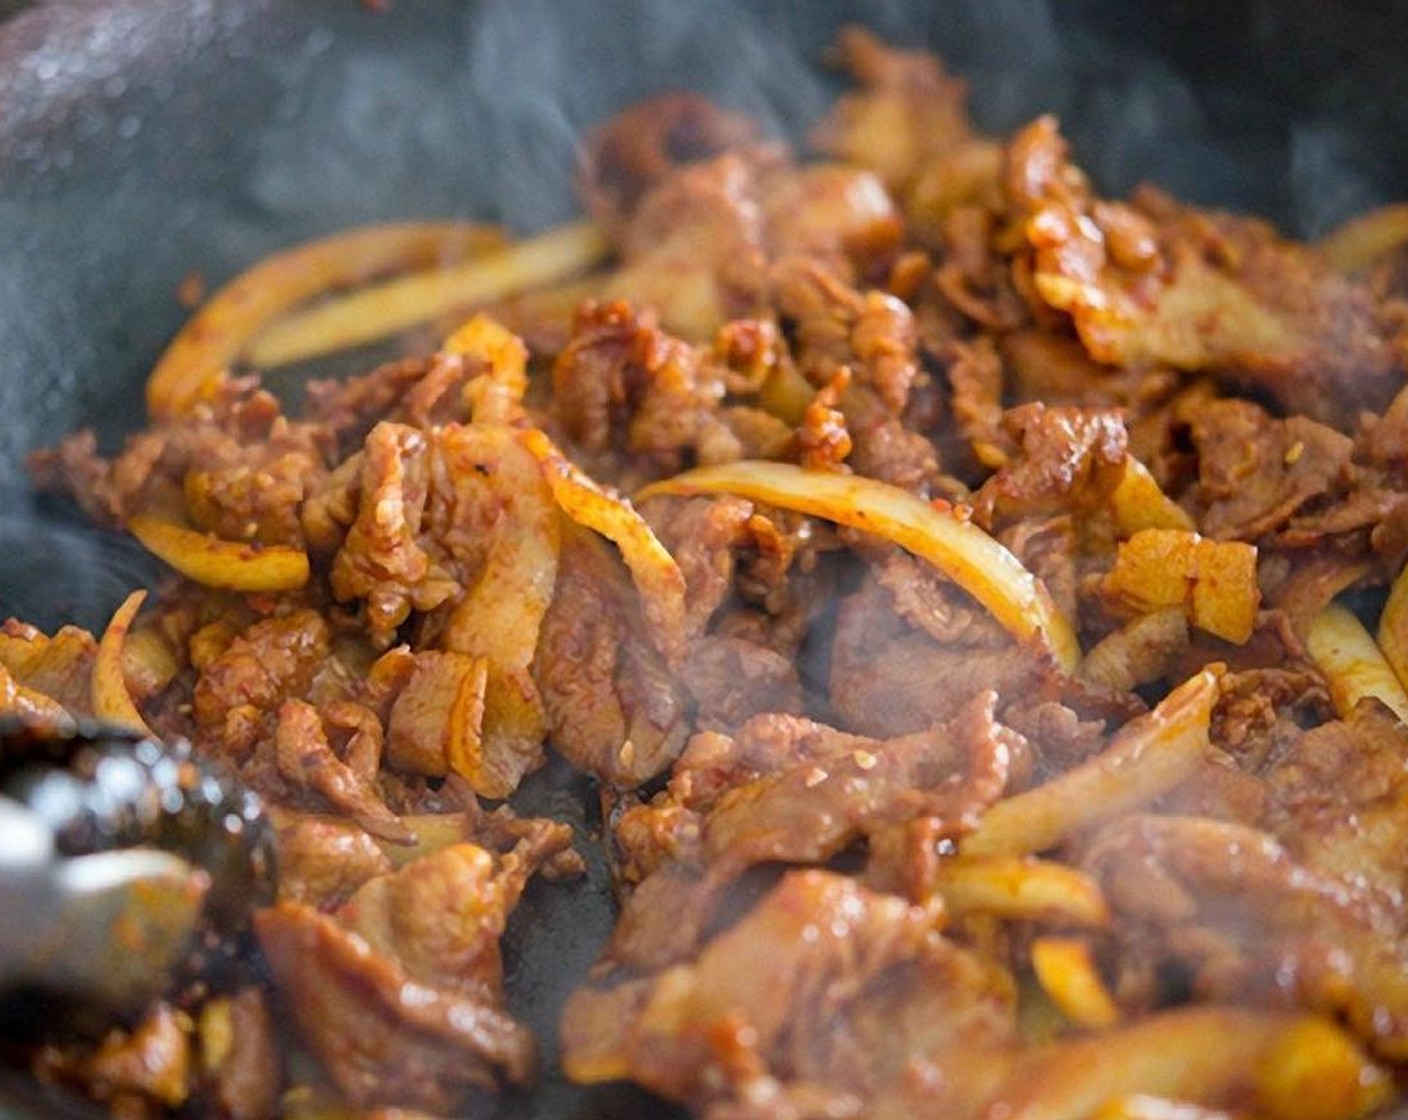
(125,864)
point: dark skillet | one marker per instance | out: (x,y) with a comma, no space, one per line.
(143,139)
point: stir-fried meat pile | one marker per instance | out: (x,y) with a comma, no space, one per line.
(955,582)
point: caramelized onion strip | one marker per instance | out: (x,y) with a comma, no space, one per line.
(1213,581)
(1139,503)
(193,365)
(657,577)
(30,705)
(1149,756)
(1296,1067)
(496,396)
(1022,888)
(970,557)
(213,562)
(500,615)
(1365,238)
(1393,628)
(1355,667)
(1066,972)
(112,702)
(380,310)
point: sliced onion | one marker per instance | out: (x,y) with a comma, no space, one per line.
(1139,503)
(1022,888)
(1393,628)
(501,613)
(970,557)
(1363,239)
(112,702)
(30,705)
(657,577)
(213,562)
(1214,582)
(194,364)
(380,310)
(1066,972)
(1148,757)
(1351,662)
(1207,1055)
(496,397)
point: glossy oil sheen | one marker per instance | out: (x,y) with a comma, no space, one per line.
(142,140)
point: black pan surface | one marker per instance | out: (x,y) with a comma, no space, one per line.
(141,140)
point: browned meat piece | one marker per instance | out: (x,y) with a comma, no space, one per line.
(823,984)
(100,487)
(841,216)
(646,143)
(1156,283)
(307,762)
(973,283)
(238,467)
(883,671)
(434,510)
(503,831)
(693,251)
(323,860)
(836,325)
(240,1053)
(1066,458)
(350,407)
(440,919)
(704,536)
(696,236)
(1055,369)
(137,1072)
(823,439)
(1382,442)
(382,559)
(670,910)
(732,679)
(1057,737)
(623,385)
(1057,548)
(907,111)
(730,555)
(1255,472)
(1363,509)
(810,804)
(924,599)
(809,811)
(1297,583)
(789,790)
(255,490)
(382,1037)
(441,916)
(1243,917)
(975,382)
(1259,708)
(874,336)
(238,694)
(491,513)
(886,449)
(1341,791)
(712,764)
(434,723)
(456,522)
(612,709)
(59,668)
